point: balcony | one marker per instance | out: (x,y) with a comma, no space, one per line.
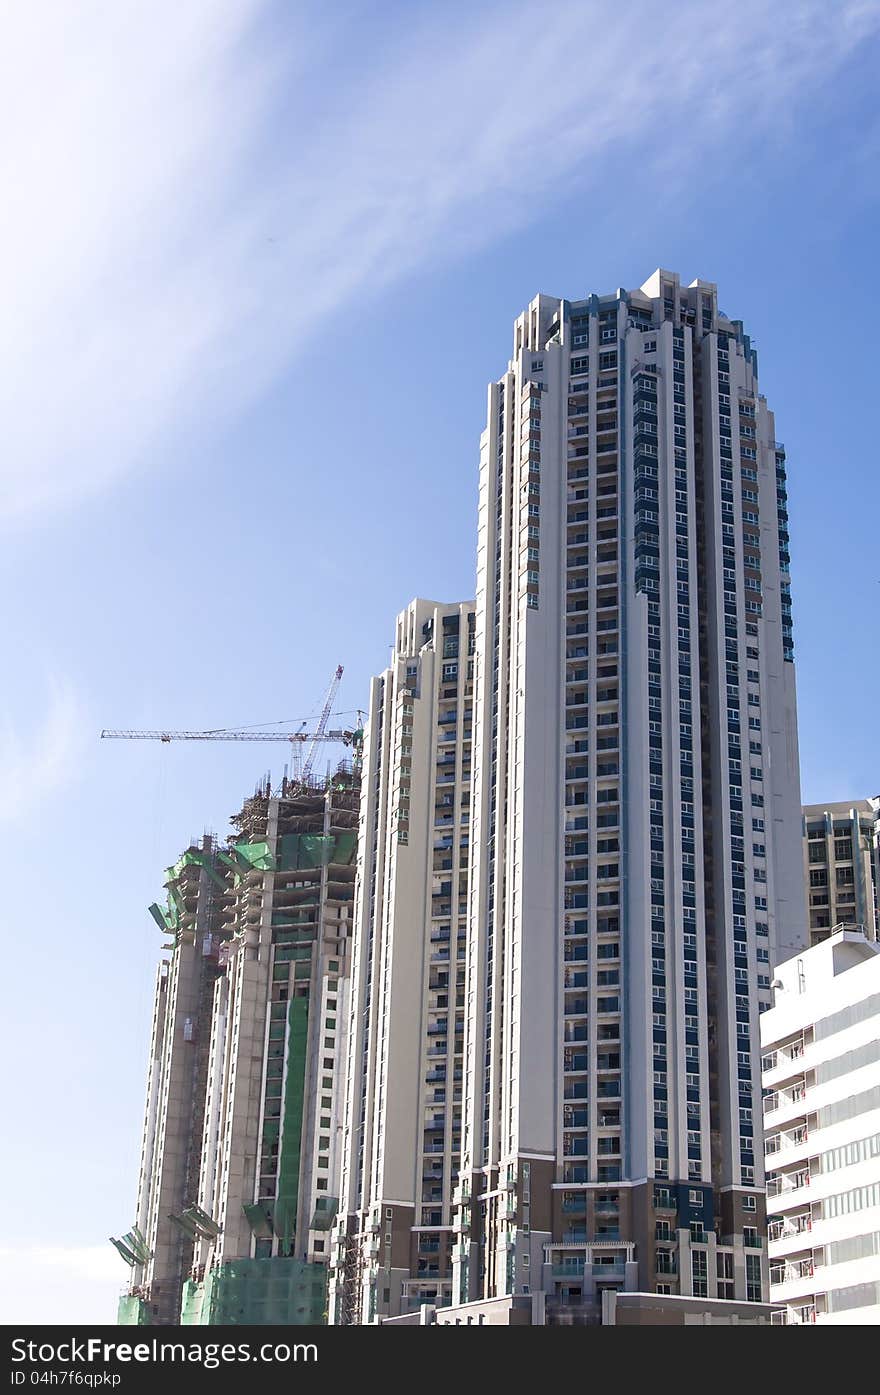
(786,1227)
(783,1055)
(794,1315)
(795,1271)
(781,1099)
(617,1270)
(786,1182)
(785,1140)
(575,1118)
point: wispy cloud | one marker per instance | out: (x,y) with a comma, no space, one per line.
(37,762)
(188,189)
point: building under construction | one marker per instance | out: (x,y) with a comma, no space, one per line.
(255,1117)
(158,1249)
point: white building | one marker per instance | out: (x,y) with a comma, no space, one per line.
(636,809)
(821,1072)
(401,1139)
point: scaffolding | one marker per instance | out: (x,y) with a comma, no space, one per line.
(278,894)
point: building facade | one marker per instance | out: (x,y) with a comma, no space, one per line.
(266,1188)
(821,1070)
(158,1249)
(237,1188)
(636,861)
(842,866)
(402,1120)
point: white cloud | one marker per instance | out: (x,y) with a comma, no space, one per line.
(36,763)
(44,1285)
(184,200)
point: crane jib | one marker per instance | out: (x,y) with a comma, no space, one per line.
(347,738)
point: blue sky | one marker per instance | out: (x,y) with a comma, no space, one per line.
(261,260)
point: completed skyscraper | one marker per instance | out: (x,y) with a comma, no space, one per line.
(402,1121)
(636,864)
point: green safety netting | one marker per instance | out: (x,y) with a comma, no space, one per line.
(256,855)
(133,1312)
(128,1255)
(189,1228)
(346,848)
(259,1217)
(258,1292)
(202,1221)
(292,1115)
(195,857)
(133,1247)
(248,857)
(135,1241)
(297,850)
(304,850)
(185,860)
(192,1304)
(165,917)
(176,897)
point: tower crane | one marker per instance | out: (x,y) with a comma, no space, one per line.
(322,722)
(296,740)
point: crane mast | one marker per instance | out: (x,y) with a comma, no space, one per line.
(322,722)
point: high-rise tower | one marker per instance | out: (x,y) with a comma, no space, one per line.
(237,1187)
(159,1247)
(635,833)
(266,1188)
(402,1121)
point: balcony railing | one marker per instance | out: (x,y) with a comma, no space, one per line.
(790,1225)
(782,1055)
(790,1273)
(788,1182)
(794,1316)
(778,1099)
